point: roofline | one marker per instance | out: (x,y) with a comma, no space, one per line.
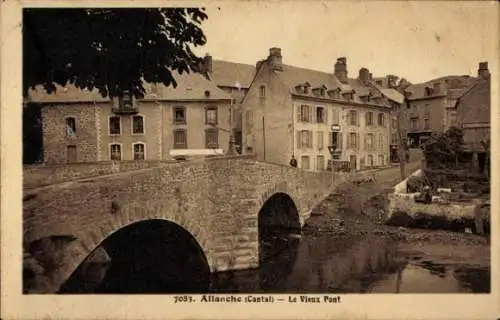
(257,70)
(459,99)
(339,101)
(428,98)
(138,100)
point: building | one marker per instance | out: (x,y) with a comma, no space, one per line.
(234,79)
(82,126)
(473,115)
(431,106)
(291,112)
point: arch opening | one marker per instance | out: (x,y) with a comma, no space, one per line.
(152,256)
(279,238)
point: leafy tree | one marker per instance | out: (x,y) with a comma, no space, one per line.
(109,49)
(444,150)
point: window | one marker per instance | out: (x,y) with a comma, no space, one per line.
(305,113)
(320,114)
(413,124)
(138,125)
(180,115)
(335,116)
(370,161)
(353,140)
(381,118)
(380,160)
(426,124)
(394,123)
(180,139)
(320,162)
(380,141)
(114,125)
(369,118)
(304,139)
(70,127)
(262,91)
(353,118)
(211,115)
(320,138)
(71,155)
(304,162)
(426,110)
(212,138)
(115,152)
(139,150)
(369,141)
(322,92)
(379,83)
(394,138)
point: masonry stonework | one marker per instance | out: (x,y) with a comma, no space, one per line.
(223,220)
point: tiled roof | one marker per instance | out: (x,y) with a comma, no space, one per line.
(189,87)
(393,95)
(457,85)
(229,74)
(474,106)
(293,76)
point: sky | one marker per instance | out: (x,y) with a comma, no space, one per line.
(415,40)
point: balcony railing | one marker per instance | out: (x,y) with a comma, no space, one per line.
(125,109)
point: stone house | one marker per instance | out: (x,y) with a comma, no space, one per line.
(291,112)
(234,79)
(82,126)
(431,106)
(473,115)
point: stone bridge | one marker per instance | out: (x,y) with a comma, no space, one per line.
(216,208)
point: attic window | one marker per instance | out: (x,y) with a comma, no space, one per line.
(207,93)
(306,89)
(428,91)
(379,82)
(322,92)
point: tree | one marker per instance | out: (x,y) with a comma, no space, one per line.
(109,49)
(402,87)
(444,150)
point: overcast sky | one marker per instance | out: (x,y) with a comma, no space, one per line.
(415,40)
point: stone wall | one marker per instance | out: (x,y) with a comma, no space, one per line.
(42,175)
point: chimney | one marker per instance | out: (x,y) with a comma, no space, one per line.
(364,75)
(275,59)
(370,76)
(392,81)
(341,69)
(207,64)
(483,71)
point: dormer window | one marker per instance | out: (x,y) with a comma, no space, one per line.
(306,89)
(322,92)
(428,91)
(299,88)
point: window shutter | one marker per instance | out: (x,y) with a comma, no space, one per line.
(366,118)
(311,114)
(299,118)
(358,142)
(358,118)
(299,138)
(309,143)
(325,114)
(366,142)
(339,140)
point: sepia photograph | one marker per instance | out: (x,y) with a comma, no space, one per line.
(264,153)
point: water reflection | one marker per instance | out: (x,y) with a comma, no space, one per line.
(431,278)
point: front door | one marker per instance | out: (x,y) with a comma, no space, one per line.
(352,162)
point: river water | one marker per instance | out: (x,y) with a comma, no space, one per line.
(367,265)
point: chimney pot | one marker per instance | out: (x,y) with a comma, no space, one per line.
(364,75)
(275,59)
(340,69)
(483,71)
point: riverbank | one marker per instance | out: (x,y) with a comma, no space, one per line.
(359,210)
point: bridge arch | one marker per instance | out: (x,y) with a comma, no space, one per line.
(90,236)
(143,257)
